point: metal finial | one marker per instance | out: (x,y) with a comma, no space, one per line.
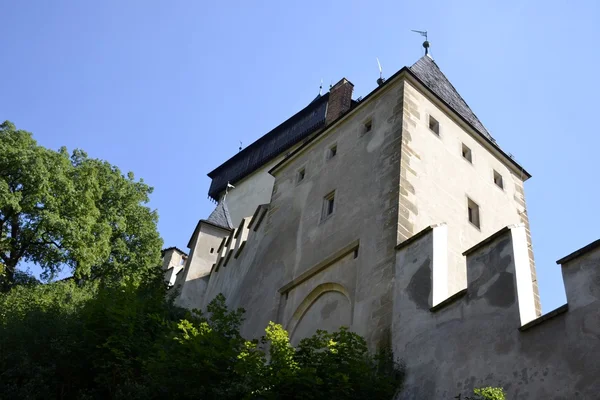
(381,78)
(240,149)
(426,42)
(321,87)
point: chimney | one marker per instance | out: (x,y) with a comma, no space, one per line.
(340,99)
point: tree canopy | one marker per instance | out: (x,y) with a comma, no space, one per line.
(74,341)
(68,210)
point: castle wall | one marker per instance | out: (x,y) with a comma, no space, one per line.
(485,336)
(196,274)
(173,262)
(250,192)
(436,181)
(349,255)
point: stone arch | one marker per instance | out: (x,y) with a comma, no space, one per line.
(312,298)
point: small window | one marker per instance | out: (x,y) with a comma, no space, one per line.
(434,125)
(473,210)
(301,175)
(498,180)
(332,152)
(368,126)
(328,205)
(466,153)
(212,250)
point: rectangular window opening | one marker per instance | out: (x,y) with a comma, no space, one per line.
(498,180)
(212,250)
(434,125)
(466,153)
(301,175)
(473,213)
(328,205)
(368,126)
(332,152)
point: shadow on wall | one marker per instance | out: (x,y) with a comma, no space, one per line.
(487,334)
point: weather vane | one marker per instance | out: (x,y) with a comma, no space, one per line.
(426,42)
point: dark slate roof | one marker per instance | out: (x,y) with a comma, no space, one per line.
(430,74)
(220,216)
(163,251)
(269,146)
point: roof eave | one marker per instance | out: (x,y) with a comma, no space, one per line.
(470,125)
(260,139)
(377,90)
(197,229)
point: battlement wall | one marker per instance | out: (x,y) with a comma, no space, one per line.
(487,334)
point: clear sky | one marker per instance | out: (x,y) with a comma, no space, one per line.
(169,89)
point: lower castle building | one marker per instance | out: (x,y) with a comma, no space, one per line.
(399,216)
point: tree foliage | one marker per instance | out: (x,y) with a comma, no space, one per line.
(61,210)
(68,341)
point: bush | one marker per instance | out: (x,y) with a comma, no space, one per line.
(70,341)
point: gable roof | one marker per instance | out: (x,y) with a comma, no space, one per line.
(220,216)
(430,74)
(163,251)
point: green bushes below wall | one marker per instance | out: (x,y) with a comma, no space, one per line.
(67,341)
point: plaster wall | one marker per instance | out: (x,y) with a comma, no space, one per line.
(172,258)
(196,274)
(173,263)
(250,192)
(294,239)
(436,181)
(479,340)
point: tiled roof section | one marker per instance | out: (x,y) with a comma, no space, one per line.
(220,216)
(269,146)
(430,74)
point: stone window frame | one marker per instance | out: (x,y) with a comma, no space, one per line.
(300,175)
(495,174)
(366,126)
(469,215)
(437,132)
(468,156)
(327,200)
(332,151)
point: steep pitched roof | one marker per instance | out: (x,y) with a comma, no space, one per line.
(220,216)
(430,74)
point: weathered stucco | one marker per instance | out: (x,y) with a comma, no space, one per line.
(475,340)
(436,181)
(251,191)
(194,277)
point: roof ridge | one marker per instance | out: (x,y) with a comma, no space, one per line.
(438,82)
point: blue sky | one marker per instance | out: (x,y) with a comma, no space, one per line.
(168,89)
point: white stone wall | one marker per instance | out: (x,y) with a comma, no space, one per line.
(437,181)
(250,192)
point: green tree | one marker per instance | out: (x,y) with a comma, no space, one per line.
(71,341)
(60,210)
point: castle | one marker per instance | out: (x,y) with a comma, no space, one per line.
(399,216)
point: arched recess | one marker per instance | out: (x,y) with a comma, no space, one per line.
(312,298)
